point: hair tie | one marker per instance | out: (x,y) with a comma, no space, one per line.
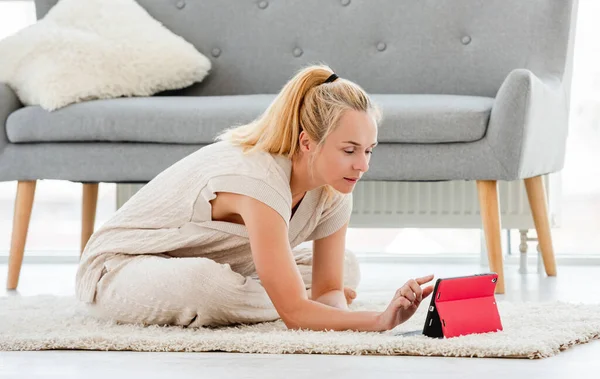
(331,78)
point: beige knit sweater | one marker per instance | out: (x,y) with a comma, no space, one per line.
(172,215)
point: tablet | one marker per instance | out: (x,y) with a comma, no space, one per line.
(463,305)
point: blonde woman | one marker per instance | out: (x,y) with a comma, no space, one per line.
(212,240)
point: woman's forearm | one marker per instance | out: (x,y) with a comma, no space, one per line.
(316,316)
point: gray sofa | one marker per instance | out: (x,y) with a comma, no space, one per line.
(470,90)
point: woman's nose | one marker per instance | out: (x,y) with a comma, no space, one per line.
(362,164)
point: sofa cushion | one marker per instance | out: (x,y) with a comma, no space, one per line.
(197,120)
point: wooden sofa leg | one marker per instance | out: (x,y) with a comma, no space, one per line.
(537,201)
(88,212)
(489,204)
(22,215)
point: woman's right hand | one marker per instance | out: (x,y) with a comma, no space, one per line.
(405,303)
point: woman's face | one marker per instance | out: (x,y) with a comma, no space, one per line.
(345,155)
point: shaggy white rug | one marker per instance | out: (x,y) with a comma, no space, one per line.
(531,330)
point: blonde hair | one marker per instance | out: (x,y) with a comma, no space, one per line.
(304,103)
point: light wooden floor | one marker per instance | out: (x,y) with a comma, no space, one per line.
(573,283)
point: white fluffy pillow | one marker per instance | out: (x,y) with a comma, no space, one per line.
(96,49)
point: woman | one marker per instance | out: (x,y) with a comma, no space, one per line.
(210,240)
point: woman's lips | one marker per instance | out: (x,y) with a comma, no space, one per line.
(351,180)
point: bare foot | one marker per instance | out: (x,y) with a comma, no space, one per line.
(350,294)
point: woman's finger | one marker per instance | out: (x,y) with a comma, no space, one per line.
(416,288)
(424,279)
(398,293)
(407,292)
(427,291)
(403,302)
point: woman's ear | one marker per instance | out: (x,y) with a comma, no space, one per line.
(305,142)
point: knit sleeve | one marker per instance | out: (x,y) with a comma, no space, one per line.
(256,188)
(333,217)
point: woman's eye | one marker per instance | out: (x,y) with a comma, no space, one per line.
(352,151)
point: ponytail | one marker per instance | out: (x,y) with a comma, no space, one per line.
(277,129)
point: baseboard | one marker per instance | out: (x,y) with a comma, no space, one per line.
(44,259)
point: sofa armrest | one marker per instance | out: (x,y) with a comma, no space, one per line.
(528,125)
(9,102)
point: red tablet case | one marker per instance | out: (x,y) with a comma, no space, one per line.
(467,305)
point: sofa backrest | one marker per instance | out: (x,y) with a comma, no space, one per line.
(464,47)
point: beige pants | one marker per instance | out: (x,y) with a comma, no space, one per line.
(191,292)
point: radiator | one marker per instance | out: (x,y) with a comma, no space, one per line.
(450,204)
